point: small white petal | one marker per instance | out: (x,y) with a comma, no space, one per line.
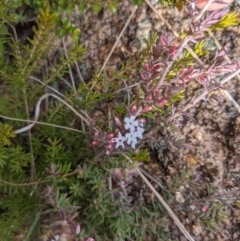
(139,132)
(134,142)
(56,237)
(120,140)
(129,137)
(131,123)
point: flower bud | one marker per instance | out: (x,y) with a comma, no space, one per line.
(110,136)
(144,76)
(149,97)
(146,109)
(117,120)
(204,209)
(89,239)
(161,102)
(134,109)
(78,229)
(162,41)
(141,120)
(147,67)
(95,143)
(182,72)
(109,147)
(155,92)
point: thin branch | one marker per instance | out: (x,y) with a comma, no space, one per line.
(35,183)
(230,76)
(219,46)
(33,168)
(192,103)
(214,197)
(169,66)
(21,184)
(202,96)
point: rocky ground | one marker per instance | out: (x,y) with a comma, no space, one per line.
(213,130)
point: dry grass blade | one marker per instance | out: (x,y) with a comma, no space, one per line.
(116,42)
(33,166)
(47,86)
(229,97)
(69,67)
(170,212)
(37,112)
(79,73)
(118,38)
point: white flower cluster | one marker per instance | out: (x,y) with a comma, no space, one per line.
(135,131)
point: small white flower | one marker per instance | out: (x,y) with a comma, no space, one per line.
(131,139)
(120,140)
(131,123)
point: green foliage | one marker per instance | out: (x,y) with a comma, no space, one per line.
(96,8)
(177,3)
(6,132)
(48,174)
(112,7)
(198,49)
(214,218)
(82,7)
(230,19)
(137,2)
(237,203)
